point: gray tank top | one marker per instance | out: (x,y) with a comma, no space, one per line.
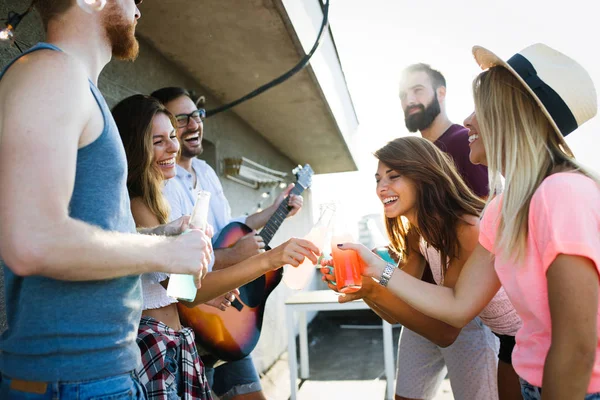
(73,331)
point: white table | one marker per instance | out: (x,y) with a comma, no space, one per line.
(326,300)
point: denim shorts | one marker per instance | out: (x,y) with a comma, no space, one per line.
(234,378)
(120,387)
(531,392)
(173,364)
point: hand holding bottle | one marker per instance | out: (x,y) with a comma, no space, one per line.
(292,252)
(190,256)
(181,286)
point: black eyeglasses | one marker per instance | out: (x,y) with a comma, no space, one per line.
(184,119)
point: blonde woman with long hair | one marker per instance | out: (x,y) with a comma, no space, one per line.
(540,238)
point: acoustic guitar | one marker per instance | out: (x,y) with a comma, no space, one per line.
(232,334)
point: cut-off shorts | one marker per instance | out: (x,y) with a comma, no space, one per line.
(233,378)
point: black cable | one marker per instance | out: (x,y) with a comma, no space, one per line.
(29,8)
(18,47)
(298,67)
(14,19)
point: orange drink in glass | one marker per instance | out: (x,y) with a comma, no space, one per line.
(347,266)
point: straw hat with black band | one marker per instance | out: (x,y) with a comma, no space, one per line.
(562,88)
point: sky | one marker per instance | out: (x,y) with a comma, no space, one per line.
(377,39)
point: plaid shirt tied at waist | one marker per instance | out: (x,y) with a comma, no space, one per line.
(155,339)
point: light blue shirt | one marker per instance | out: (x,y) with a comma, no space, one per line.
(181,195)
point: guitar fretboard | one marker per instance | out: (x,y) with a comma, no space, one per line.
(278,216)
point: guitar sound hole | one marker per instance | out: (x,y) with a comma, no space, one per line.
(238,305)
(252,293)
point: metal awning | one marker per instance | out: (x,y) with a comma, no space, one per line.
(232,47)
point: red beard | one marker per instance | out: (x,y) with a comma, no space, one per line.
(121,35)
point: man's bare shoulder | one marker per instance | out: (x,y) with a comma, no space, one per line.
(47,72)
(43,89)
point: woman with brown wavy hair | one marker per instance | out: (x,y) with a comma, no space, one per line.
(432,217)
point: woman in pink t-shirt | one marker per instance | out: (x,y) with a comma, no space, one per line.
(539,239)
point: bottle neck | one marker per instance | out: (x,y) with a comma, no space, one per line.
(327,217)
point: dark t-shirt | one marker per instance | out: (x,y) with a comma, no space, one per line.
(455,142)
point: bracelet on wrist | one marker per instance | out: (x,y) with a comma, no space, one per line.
(387,274)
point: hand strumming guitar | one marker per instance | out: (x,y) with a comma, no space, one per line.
(248,246)
(224,301)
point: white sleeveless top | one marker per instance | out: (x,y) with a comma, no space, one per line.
(154,294)
(499,315)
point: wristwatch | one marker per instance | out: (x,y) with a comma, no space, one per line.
(387,274)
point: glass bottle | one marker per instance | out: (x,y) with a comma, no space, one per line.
(182,286)
(320,234)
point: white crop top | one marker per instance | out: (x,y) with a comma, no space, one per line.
(155,295)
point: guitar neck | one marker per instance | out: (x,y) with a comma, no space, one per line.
(278,216)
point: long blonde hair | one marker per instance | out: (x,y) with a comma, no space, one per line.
(134,117)
(521,144)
